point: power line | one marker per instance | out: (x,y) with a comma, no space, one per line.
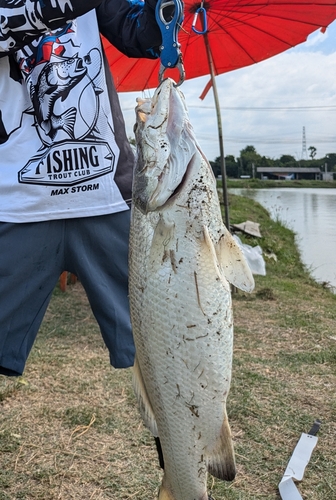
(258,140)
(268,108)
(259,108)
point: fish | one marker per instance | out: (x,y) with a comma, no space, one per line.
(55,81)
(182,260)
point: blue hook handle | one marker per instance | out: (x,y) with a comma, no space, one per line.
(170,48)
(200,10)
(170,53)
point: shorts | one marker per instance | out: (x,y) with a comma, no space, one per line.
(32,257)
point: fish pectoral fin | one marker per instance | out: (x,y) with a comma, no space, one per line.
(145,406)
(161,243)
(221,460)
(233,263)
(211,248)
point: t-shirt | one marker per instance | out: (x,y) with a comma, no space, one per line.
(62,153)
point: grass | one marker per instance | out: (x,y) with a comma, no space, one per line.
(259,184)
(70,428)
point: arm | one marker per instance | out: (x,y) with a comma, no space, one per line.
(23,20)
(130,26)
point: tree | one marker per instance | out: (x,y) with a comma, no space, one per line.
(330,160)
(243,164)
(231,166)
(285,159)
(248,158)
(216,166)
(265,162)
(248,149)
(312,153)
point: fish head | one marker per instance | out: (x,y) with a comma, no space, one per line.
(66,72)
(165,146)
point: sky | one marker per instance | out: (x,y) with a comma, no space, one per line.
(300,83)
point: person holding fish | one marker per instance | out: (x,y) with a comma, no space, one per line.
(65,165)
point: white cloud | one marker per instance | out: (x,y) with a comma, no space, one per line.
(316,38)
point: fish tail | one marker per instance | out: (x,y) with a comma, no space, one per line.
(65,121)
(221,460)
(165,493)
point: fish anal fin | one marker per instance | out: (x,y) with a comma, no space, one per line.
(233,262)
(145,406)
(221,460)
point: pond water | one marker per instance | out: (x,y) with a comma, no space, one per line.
(311,214)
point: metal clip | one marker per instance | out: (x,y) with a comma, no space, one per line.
(179,66)
(169,16)
(202,11)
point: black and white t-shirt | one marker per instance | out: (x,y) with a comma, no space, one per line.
(62,152)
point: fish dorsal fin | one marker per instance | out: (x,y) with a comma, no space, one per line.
(221,461)
(233,263)
(145,406)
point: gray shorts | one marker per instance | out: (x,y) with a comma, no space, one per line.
(32,257)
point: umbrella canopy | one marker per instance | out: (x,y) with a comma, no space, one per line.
(239,32)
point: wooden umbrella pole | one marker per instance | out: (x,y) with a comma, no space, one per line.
(220,132)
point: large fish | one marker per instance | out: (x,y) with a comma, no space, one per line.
(182,259)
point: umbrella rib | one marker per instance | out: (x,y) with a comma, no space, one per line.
(214,18)
(133,67)
(221,27)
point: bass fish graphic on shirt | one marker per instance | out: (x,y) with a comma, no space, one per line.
(57,117)
(56,81)
(61,82)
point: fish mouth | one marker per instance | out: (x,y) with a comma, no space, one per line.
(80,67)
(79,64)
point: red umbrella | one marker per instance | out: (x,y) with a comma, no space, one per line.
(240,33)
(227,35)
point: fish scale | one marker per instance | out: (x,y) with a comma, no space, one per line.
(180,299)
